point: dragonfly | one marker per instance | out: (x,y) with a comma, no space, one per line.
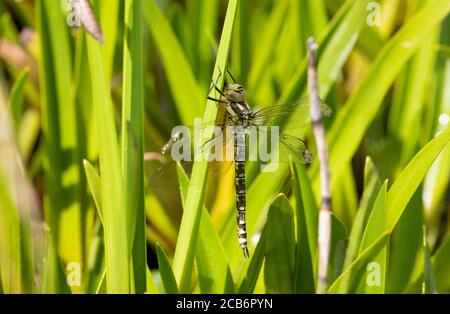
(241,118)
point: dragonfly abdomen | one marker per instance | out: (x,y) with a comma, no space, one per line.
(239,146)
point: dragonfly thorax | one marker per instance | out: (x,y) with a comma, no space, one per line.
(240,113)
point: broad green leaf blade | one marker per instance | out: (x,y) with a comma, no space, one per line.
(151,286)
(94,183)
(241,43)
(376,226)
(54,279)
(371,187)
(114,215)
(429,280)
(263,52)
(410,178)
(16,98)
(109,14)
(436,183)
(214,275)
(184,254)
(339,44)
(280,247)
(347,281)
(96,261)
(167,276)
(406,242)
(339,235)
(440,268)
(377,220)
(185,90)
(408,103)
(345,198)
(307,218)
(16,204)
(61,158)
(133,139)
(249,277)
(206,26)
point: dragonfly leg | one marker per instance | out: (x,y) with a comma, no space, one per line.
(214,84)
(217,89)
(216,100)
(232,77)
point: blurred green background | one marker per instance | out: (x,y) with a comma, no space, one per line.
(78,117)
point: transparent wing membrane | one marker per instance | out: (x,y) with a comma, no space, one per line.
(214,140)
(298,111)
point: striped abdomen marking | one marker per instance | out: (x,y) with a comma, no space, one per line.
(239,146)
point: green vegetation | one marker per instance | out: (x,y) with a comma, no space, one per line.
(81,210)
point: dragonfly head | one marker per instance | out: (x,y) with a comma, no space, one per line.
(235,93)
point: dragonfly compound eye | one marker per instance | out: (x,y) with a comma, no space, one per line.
(235,93)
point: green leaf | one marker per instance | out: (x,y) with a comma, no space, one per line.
(249,276)
(114,215)
(406,242)
(409,179)
(214,273)
(355,273)
(263,52)
(61,159)
(306,213)
(440,268)
(54,279)
(377,220)
(205,25)
(94,183)
(429,280)
(280,247)
(339,237)
(16,97)
(109,14)
(184,88)
(166,272)
(241,43)
(133,139)
(375,227)
(371,187)
(185,250)
(16,206)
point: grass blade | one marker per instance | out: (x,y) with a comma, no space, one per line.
(16,97)
(407,182)
(371,187)
(184,254)
(16,202)
(280,247)
(94,183)
(167,276)
(114,215)
(429,280)
(306,213)
(347,281)
(214,275)
(62,164)
(133,139)
(184,88)
(249,277)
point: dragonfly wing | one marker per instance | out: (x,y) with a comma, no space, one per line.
(298,111)
(291,149)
